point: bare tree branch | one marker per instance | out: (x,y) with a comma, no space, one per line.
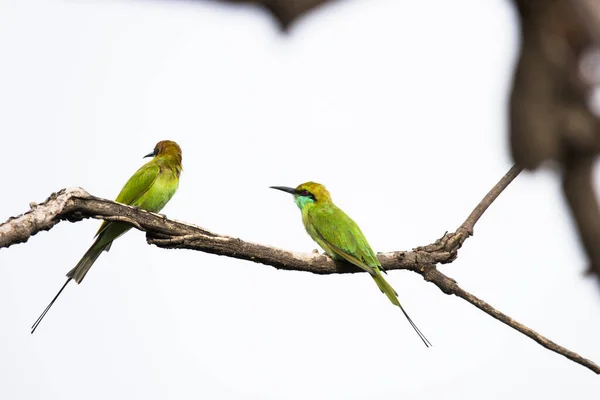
(76,204)
(489,198)
(449,286)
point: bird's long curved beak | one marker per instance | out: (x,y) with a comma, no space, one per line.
(150,154)
(284,189)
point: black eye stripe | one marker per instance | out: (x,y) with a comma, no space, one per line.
(306,193)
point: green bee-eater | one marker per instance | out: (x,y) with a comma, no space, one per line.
(340,236)
(150,188)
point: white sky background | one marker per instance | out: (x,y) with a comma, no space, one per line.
(399,107)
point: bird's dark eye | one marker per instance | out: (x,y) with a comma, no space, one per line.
(156,151)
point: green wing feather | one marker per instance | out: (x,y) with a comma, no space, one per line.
(138,184)
(132,191)
(135,188)
(342,235)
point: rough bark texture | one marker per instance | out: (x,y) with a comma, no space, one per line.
(76,204)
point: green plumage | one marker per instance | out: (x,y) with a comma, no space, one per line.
(150,188)
(340,237)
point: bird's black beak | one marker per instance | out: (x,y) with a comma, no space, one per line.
(153,154)
(284,189)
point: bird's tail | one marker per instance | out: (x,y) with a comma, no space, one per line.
(391,294)
(77,273)
(88,259)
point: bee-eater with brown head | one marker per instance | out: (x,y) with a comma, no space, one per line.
(341,237)
(150,188)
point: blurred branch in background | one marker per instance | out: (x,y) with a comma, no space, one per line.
(284,11)
(551,118)
(76,204)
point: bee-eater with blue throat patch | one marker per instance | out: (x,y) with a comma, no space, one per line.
(150,188)
(341,237)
